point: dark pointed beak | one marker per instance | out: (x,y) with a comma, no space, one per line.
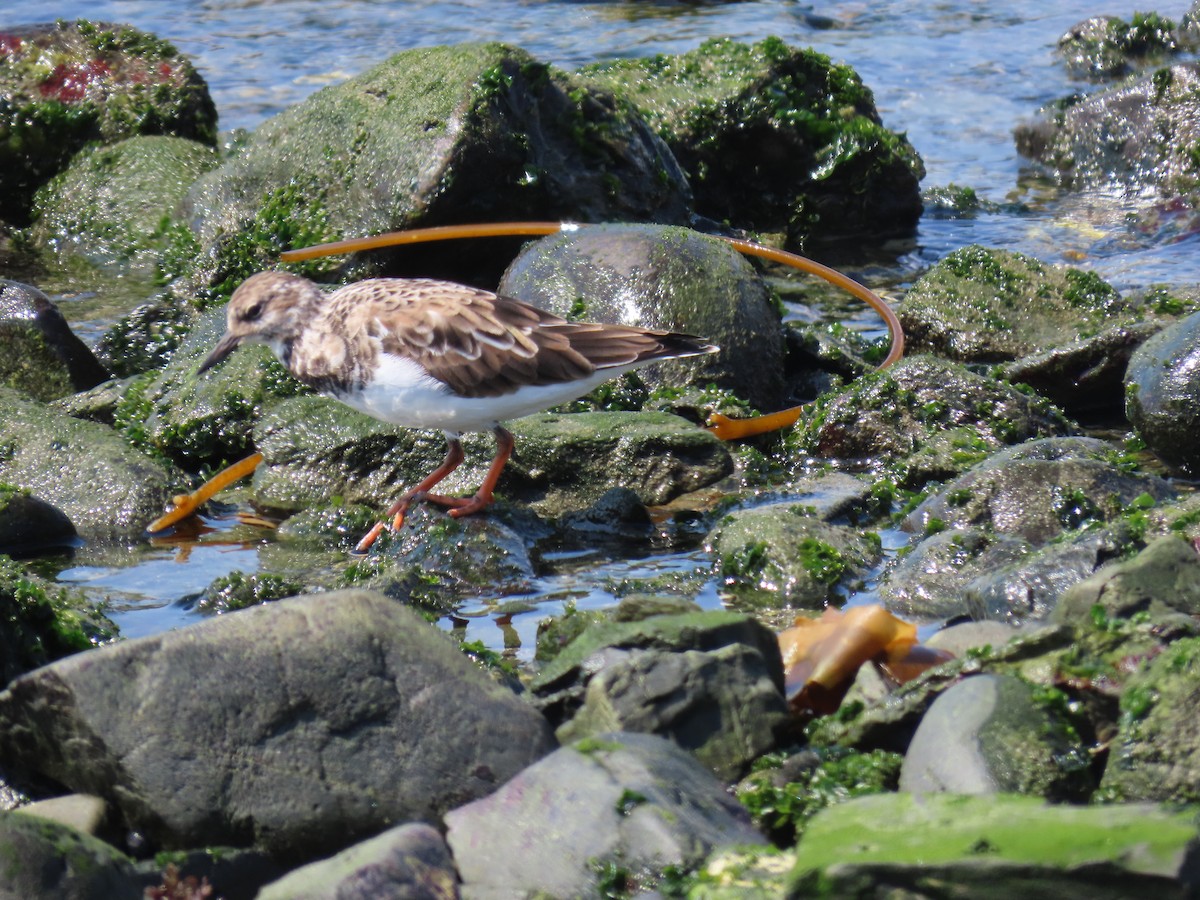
(224,347)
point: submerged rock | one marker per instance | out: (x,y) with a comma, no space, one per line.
(667,278)
(297,727)
(630,804)
(68,84)
(1162,394)
(775,138)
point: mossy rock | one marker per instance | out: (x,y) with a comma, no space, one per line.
(985,305)
(41,622)
(41,859)
(115,204)
(781,556)
(1109,46)
(774,138)
(85,469)
(436,134)
(1156,752)
(926,418)
(1162,394)
(993,847)
(69,84)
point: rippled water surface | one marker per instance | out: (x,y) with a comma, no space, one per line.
(956,76)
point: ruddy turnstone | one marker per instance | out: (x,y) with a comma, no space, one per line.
(434,354)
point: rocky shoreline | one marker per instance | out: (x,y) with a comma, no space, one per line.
(323,740)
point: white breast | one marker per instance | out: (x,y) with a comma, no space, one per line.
(404,394)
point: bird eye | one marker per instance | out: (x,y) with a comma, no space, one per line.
(253,312)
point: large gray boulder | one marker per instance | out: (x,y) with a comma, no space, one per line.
(298,726)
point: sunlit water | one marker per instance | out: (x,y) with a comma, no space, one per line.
(956,76)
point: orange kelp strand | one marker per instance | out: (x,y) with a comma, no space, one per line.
(722,426)
(822,656)
(185,505)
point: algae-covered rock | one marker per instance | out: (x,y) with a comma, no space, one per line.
(927,417)
(995,847)
(43,860)
(41,622)
(1140,135)
(114,204)
(28,523)
(1109,46)
(986,305)
(1162,394)
(436,134)
(316,449)
(1162,580)
(1038,490)
(85,469)
(42,357)
(668,278)
(1156,752)
(781,556)
(68,84)
(775,138)
(988,735)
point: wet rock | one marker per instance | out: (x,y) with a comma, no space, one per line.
(627,802)
(41,622)
(1086,375)
(29,524)
(781,556)
(1108,46)
(928,582)
(406,861)
(1156,752)
(43,357)
(432,135)
(44,860)
(889,844)
(316,448)
(775,138)
(1116,137)
(1162,580)
(712,682)
(929,418)
(436,561)
(667,278)
(114,204)
(1029,589)
(961,638)
(102,485)
(988,735)
(1162,394)
(617,513)
(68,84)
(297,727)
(984,305)
(146,337)
(1038,490)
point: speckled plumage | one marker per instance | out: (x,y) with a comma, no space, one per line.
(434,354)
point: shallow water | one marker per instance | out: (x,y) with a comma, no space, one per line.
(956,76)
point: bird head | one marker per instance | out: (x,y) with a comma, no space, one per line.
(269,308)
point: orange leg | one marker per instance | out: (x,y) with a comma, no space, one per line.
(465,506)
(454,457)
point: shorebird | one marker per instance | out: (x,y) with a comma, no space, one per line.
(435,354)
